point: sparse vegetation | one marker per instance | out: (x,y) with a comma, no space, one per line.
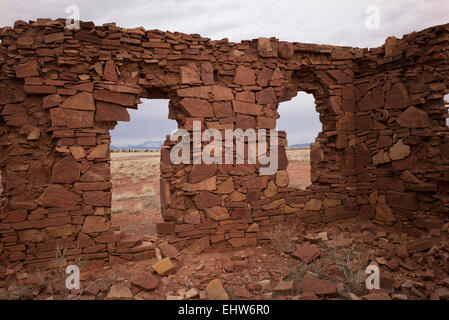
(282,238)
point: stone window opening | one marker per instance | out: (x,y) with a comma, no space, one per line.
(299,119)
(135,166)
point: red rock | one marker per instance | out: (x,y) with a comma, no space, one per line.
(97,172)
(57,196)
(80,101)
(146,283)
(15,216)
(111,112)
(247,108)
(407,201)
(397,97)
(286,50)
(202,172)
(222,93)
(419,245)
(97,198)
(99,152)
(65,171)
(222,109)
(414,118)
(244,76)
(266,95)
(245,122)
(307,253)
(285,287)
(25,70)
(206,199)
(242,242)
(197,107)
(124,99)
(197,246)
(53,37)
(52,100)
(309,296)
(190,75)
(168,250)
(376,296)
(39,90)
(240,292)
(109,72)
(264,77)
(217,213)
(318,286)
(94,224)
(71,118)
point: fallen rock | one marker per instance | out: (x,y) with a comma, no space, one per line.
(285,287)
(191,293)
(215,291)
(318,286)
(307,253)
(240,292)
(147,282)
(376,296)
(164,266)
(119,292)
(168,250)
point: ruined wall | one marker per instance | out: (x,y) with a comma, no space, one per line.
(382,152)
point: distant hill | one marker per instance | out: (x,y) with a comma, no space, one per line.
(143,145)
(300,145)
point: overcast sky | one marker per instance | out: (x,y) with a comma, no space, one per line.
(344,22)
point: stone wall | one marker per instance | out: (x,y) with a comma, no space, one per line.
(382,153)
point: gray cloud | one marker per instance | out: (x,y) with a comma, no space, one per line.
(320,21)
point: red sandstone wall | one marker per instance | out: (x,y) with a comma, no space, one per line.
(382,153)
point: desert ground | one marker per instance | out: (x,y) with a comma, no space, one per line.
(299,263)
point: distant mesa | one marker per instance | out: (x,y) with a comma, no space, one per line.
(144,145)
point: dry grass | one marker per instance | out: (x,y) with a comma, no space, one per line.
(298,154)
(138,208)
(282,238)
(346,260)
(116,208)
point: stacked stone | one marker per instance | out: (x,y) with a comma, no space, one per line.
(402,136)
(382,149)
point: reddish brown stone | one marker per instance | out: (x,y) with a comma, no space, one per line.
(414,118)
(25,70)
(206,199)
(244,76)
(123,99)
(57,196)
(111,112)
(202,172)
(318,286)
(307,253)
(80,101)
(65,171)
(97,198)
(52,100)
(197,107)
(109,72)
(146,283)
(71,118)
